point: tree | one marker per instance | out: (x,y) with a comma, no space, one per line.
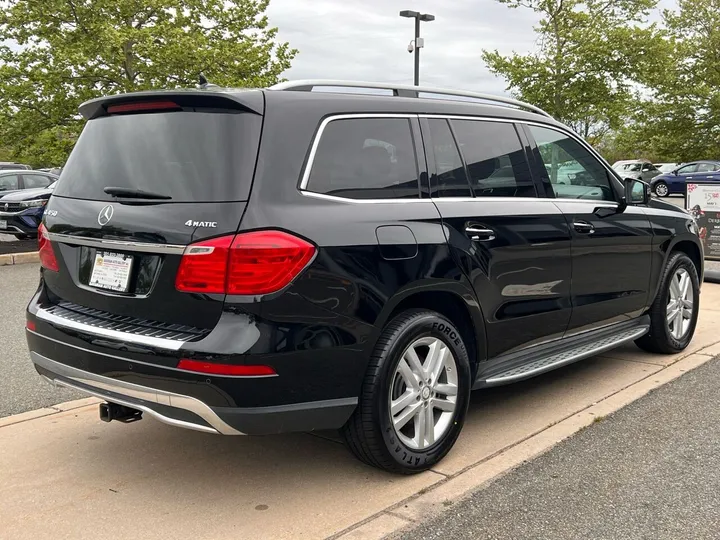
(683,116)
(59,53)
(591,55)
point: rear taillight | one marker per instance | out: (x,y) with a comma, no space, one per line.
(259,262)
(203,267)
(198,366)
(45,250)
(266,261)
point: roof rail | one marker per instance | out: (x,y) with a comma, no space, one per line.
(404,90)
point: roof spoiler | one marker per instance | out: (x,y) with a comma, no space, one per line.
(242,100)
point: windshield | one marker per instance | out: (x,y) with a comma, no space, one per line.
(186,156)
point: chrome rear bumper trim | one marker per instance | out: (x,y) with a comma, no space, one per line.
(99,386)
(122,245)
(12,228)
(126,337)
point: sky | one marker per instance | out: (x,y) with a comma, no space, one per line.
(367,40)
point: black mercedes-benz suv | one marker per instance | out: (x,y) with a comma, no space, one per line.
(285,259)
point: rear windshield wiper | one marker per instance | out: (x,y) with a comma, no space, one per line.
(129,193)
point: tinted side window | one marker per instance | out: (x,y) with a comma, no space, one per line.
(36,181)
(9,181)
(451,179)
(495,159)
(574,172)
(706,167)
(687,169)
(366,158)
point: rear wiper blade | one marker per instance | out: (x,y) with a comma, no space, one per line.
(129,193)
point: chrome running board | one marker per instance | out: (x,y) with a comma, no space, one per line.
(564,357)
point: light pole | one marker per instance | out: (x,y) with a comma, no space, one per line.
(418,42)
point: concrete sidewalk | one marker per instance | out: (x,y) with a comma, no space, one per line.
(64,474)
(651,470)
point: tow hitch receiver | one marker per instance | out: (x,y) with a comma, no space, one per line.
(113,411)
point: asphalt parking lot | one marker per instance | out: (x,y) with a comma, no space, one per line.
(647,471)
(21,389)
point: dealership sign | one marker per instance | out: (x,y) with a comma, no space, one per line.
(703,202)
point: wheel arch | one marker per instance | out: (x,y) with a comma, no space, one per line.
(455,302)
(692,250)
(690,246)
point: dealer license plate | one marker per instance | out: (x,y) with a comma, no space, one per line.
(111,271)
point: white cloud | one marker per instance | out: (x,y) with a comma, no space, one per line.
(367,40)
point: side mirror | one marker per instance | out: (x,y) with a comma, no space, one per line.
(636,191)
(675,171)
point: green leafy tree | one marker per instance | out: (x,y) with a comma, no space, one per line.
(591,55)
(682,118)
(59,53)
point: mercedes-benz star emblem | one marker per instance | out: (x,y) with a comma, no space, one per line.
(105,215)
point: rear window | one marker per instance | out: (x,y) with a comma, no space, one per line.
(189,156)
(495,159)
(366,158)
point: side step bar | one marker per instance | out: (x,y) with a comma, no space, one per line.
(545,363)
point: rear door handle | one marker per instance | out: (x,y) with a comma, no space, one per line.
(477,234)
(583,227)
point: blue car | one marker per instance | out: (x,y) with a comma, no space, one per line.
(21,211)
(673,182)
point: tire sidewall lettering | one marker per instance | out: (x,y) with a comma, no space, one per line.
(442,329)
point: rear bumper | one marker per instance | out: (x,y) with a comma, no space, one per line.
(189,412)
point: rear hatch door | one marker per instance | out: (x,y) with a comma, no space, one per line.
(147,177)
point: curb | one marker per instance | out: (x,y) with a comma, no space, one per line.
(47,411)
(417,508)
(10,259)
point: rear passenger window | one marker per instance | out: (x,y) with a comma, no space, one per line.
(706,167)
(495,159)
(451,179)
(366,158)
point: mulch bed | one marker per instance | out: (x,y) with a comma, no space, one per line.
(8,244)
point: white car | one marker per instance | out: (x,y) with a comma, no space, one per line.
(667,167)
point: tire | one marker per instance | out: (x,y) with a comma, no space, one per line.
(371,434)
(663,336)
(661,189)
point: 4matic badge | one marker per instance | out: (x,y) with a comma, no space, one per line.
(208,224)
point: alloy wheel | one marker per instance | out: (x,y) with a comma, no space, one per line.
(680,304)
(661,190)
(423,393)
